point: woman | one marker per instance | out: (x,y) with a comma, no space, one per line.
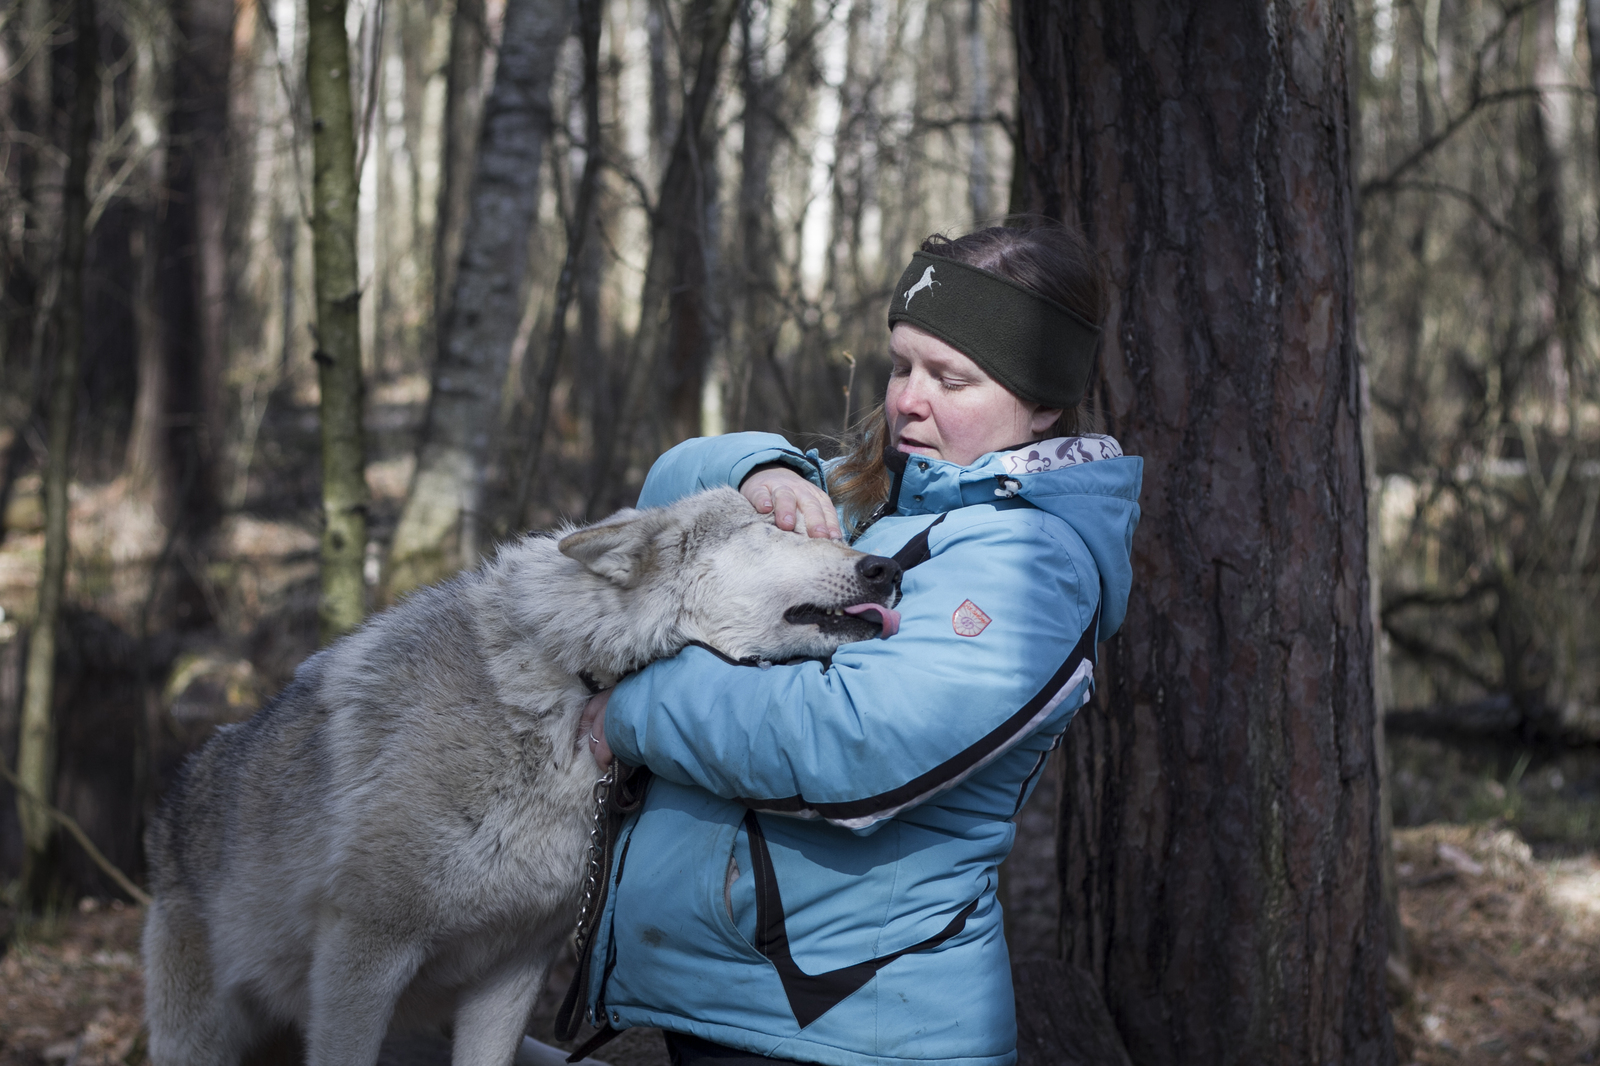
(812,875)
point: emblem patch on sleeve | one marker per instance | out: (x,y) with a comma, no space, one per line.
(969,620)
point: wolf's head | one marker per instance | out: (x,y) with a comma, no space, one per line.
(735,581)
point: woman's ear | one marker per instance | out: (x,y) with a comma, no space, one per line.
(1042,419)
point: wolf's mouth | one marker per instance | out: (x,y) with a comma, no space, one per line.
(866,619)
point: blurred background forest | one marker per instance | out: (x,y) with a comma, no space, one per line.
(587,229)
(680,218)
(587,232)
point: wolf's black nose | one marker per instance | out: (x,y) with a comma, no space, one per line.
(881,574)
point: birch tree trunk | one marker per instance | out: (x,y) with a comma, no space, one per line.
(36,747)
(475,341)
(1220,844)
(333,238)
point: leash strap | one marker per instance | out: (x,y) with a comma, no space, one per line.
(618,793)
(599,1040)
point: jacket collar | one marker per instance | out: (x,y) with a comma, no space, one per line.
(933,486)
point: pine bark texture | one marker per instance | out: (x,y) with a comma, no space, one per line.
(475,343)
(36,742)
(1220,836)
(333,239)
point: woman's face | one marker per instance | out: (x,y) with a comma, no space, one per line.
(941,404)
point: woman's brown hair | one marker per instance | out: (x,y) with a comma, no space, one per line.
(1046,257)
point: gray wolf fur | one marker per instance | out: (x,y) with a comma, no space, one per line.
(399,835)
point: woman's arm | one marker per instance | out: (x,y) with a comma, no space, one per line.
(710,462)
(774,476)
(890,722)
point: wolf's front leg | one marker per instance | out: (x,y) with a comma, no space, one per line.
(357,974)
(192,1022)
(491,1017)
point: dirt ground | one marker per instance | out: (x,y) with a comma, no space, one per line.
(1505,952)
(71,989)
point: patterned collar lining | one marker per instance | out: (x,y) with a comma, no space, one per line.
(1057,452)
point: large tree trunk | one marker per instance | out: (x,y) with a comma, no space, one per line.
(333,239)
(36,748)
(476,338)
(1220,842)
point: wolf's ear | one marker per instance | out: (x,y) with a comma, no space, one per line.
(621,549)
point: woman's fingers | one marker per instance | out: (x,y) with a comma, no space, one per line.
(794,502)
(786,506)
(822,520)
(806,509)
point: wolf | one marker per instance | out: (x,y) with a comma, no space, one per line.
(399,835)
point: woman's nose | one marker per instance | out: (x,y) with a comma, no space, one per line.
(911,397)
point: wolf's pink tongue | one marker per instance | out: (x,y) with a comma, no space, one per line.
(888,616)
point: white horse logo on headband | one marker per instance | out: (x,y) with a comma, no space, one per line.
(927,282)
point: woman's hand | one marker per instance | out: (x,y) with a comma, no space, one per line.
(592,729)
(797,503)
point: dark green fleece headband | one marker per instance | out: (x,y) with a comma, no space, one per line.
(1030,344)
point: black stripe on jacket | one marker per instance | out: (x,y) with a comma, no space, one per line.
(858,814)
(813,995)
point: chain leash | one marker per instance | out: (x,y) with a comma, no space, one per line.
(618,793)
(597,853)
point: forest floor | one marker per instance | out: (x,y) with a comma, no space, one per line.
(1505,949)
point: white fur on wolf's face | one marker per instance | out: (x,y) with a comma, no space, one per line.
(794,575)
(751,588)
(713,570)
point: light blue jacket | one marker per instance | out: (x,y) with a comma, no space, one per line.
(813,873)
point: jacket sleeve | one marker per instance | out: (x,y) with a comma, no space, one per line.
(890,723)
(711,462)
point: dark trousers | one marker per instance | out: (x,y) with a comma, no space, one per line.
(692,1051)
